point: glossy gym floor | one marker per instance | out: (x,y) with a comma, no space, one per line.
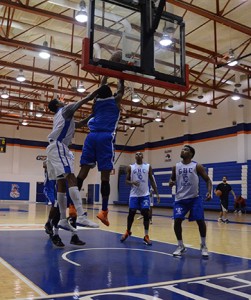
(106,269)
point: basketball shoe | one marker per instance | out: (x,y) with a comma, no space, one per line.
(64,224)
(102,216)
(76,241)
(147,240)
(56,240)
(204,250)
(125,236)
(83,221)
(180,249)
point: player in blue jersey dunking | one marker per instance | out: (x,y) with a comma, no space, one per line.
(99,143)
(60,162)
(185,175)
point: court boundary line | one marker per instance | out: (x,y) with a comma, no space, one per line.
(148,285)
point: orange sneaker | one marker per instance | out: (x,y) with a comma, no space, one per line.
(147,240)
(102,216)
(125,236)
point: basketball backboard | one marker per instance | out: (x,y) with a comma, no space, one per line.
(135,28)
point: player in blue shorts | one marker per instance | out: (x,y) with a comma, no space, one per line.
(138,176)
(185,175)
(99,143)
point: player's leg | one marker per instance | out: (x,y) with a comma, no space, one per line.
(145,208)
(105,193)
(133,206)
(180,209)
(74,193)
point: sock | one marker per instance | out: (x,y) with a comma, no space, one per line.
(203,241)
(180,243)
(76,198)
(104,204)
(62,203)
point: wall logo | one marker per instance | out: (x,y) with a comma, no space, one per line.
(168,155)
(41,157)
(14,193)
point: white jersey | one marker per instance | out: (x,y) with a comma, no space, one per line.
(63,129)
(187,181)
(140,173)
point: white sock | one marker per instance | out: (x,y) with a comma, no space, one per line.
(76,198)
(62,204)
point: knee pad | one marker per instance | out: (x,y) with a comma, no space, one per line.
(105,189)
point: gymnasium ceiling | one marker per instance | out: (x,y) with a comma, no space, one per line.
(212,28)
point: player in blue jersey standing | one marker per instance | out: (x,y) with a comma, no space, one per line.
(60,162)
(99,143)
(185,175)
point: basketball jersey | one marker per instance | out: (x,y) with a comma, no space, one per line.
(105,115)
(63,129)
(187,181)
(140,173)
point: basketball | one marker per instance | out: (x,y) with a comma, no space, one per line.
(218,193)
(116,56)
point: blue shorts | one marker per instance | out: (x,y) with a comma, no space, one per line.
(98,147)
(139,202)
(192,205)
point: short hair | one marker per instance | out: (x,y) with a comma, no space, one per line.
(53,105)
(191,149)
(104,92)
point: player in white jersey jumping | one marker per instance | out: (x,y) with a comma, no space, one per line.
(138,176)
(60,162)
(99,143)
(185,175)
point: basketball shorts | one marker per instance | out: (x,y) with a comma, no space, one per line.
(139,202)
(193,205)
(224,204)
(60,160)
(98,148)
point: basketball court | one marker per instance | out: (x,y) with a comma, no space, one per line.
(105,268)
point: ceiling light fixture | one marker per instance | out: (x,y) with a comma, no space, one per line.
(231,60)
(132,125)
(5,94)
(25,122)
(81,15)
(166,39)
(20,77)
(235,95)
(45,54)
(39,112)
(158,118)
(81,88)
(192,109)
(135,98)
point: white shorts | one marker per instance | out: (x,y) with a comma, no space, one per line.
(60,160)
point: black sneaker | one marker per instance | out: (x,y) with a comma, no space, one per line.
(56,240)
(48,228)
(76,241)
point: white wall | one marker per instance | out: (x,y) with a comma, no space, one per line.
(19,162)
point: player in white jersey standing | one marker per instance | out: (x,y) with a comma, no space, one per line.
(138,176)
(185,175)
(99,143)
(60,162)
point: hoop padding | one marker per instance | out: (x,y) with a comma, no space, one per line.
(87,66)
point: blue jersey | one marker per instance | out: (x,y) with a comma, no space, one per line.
(105,115)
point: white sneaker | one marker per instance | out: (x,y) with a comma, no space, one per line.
(84,222)
(179,250)
(204,250)
(220,220)
(140,217)
(63,224)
